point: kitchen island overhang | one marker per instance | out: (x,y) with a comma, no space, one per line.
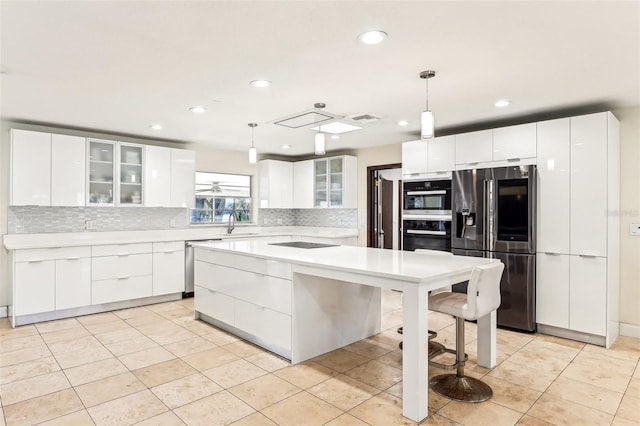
(302,303)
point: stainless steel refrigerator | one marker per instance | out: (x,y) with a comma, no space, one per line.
(494,213)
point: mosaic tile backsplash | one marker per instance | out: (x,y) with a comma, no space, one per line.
(334,218)
(36,220)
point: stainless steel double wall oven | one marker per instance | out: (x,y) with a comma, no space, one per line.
(426,215)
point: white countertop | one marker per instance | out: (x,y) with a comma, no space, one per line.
(395,264)
(196,232)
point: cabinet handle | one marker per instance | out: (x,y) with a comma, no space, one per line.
(167,252)
(473,164)
(71,258)
(588,255)
(259,275)
(123,278)
(211,291)
(123,255)
(551,253)
(35,261)
(513,160)
(262,308)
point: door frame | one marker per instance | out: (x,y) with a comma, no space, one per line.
(370,189)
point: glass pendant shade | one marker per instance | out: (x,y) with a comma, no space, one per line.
(427,124)
(319,144)
(253,155)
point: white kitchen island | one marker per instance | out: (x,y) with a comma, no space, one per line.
(301,303)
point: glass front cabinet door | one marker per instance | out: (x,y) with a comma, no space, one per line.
(130,174)
(101,172)
(329,182)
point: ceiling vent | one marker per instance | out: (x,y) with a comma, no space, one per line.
(365,118)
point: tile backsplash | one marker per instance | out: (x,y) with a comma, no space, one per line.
(335,218)
(36,219)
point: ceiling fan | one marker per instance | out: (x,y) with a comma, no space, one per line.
(216,188)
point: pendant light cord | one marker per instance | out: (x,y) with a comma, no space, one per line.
(426,80)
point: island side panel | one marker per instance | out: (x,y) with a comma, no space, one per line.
(329,314)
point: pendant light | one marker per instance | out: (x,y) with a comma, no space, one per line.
(427,121)
(319,138)
(253,153)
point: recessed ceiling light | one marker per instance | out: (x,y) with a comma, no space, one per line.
(336,127)
(372,37)
(403,123)
(156,126)
(335,137)
(285,146)
(260,83)
(198,109)
(502,103)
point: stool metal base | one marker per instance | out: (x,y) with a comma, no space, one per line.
(464,389)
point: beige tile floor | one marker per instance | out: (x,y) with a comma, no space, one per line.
(155,365)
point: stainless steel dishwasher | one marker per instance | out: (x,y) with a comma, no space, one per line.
(188,266)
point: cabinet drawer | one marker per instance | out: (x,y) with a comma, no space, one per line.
(119,249)
(168,246)
(263,290)
(115,290)
(216,305)
(247,263)
(122,266)
(52,253)
(274,328)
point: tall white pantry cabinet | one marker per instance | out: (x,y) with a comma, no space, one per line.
(578,228)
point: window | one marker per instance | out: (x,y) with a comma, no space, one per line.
(218,195)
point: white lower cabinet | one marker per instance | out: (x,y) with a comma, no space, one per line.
(252,295)
(168,267)
(571,292)
(35,287)
(73,282)
(124,272)
(588,295)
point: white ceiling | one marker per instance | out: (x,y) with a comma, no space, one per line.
(118,67)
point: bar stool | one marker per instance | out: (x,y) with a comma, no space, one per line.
(435,348)
(483,297)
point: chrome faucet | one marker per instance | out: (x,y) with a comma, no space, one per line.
(231,227)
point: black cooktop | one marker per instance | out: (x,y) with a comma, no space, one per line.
(303,244)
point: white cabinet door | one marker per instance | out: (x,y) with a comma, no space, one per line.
(589,184)
(68,162)
(552,289)
(554,167)
(474,147)
(101,172)
(183,175)
(514,142)
(441,154)
(157,176)
(34,287)
(30,168)
(349,182)
(414,158)
(276,184)
(303,184)
(168,272)
(588,295)
(73,283)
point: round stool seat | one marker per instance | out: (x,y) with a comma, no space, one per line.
(464,389)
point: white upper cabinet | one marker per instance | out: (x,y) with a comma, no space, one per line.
(336,182)
(514,143)
(589,184)
(474,147)
(414,158)
(303,184)
(30,168)
(68,168)
(554,165)
(101,172)
(441,154)
(275,184)
(183,178)
(157,176)
(130,175)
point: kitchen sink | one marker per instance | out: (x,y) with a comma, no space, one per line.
(303,244)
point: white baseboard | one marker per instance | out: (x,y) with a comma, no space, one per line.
(3,311)
(630,330)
